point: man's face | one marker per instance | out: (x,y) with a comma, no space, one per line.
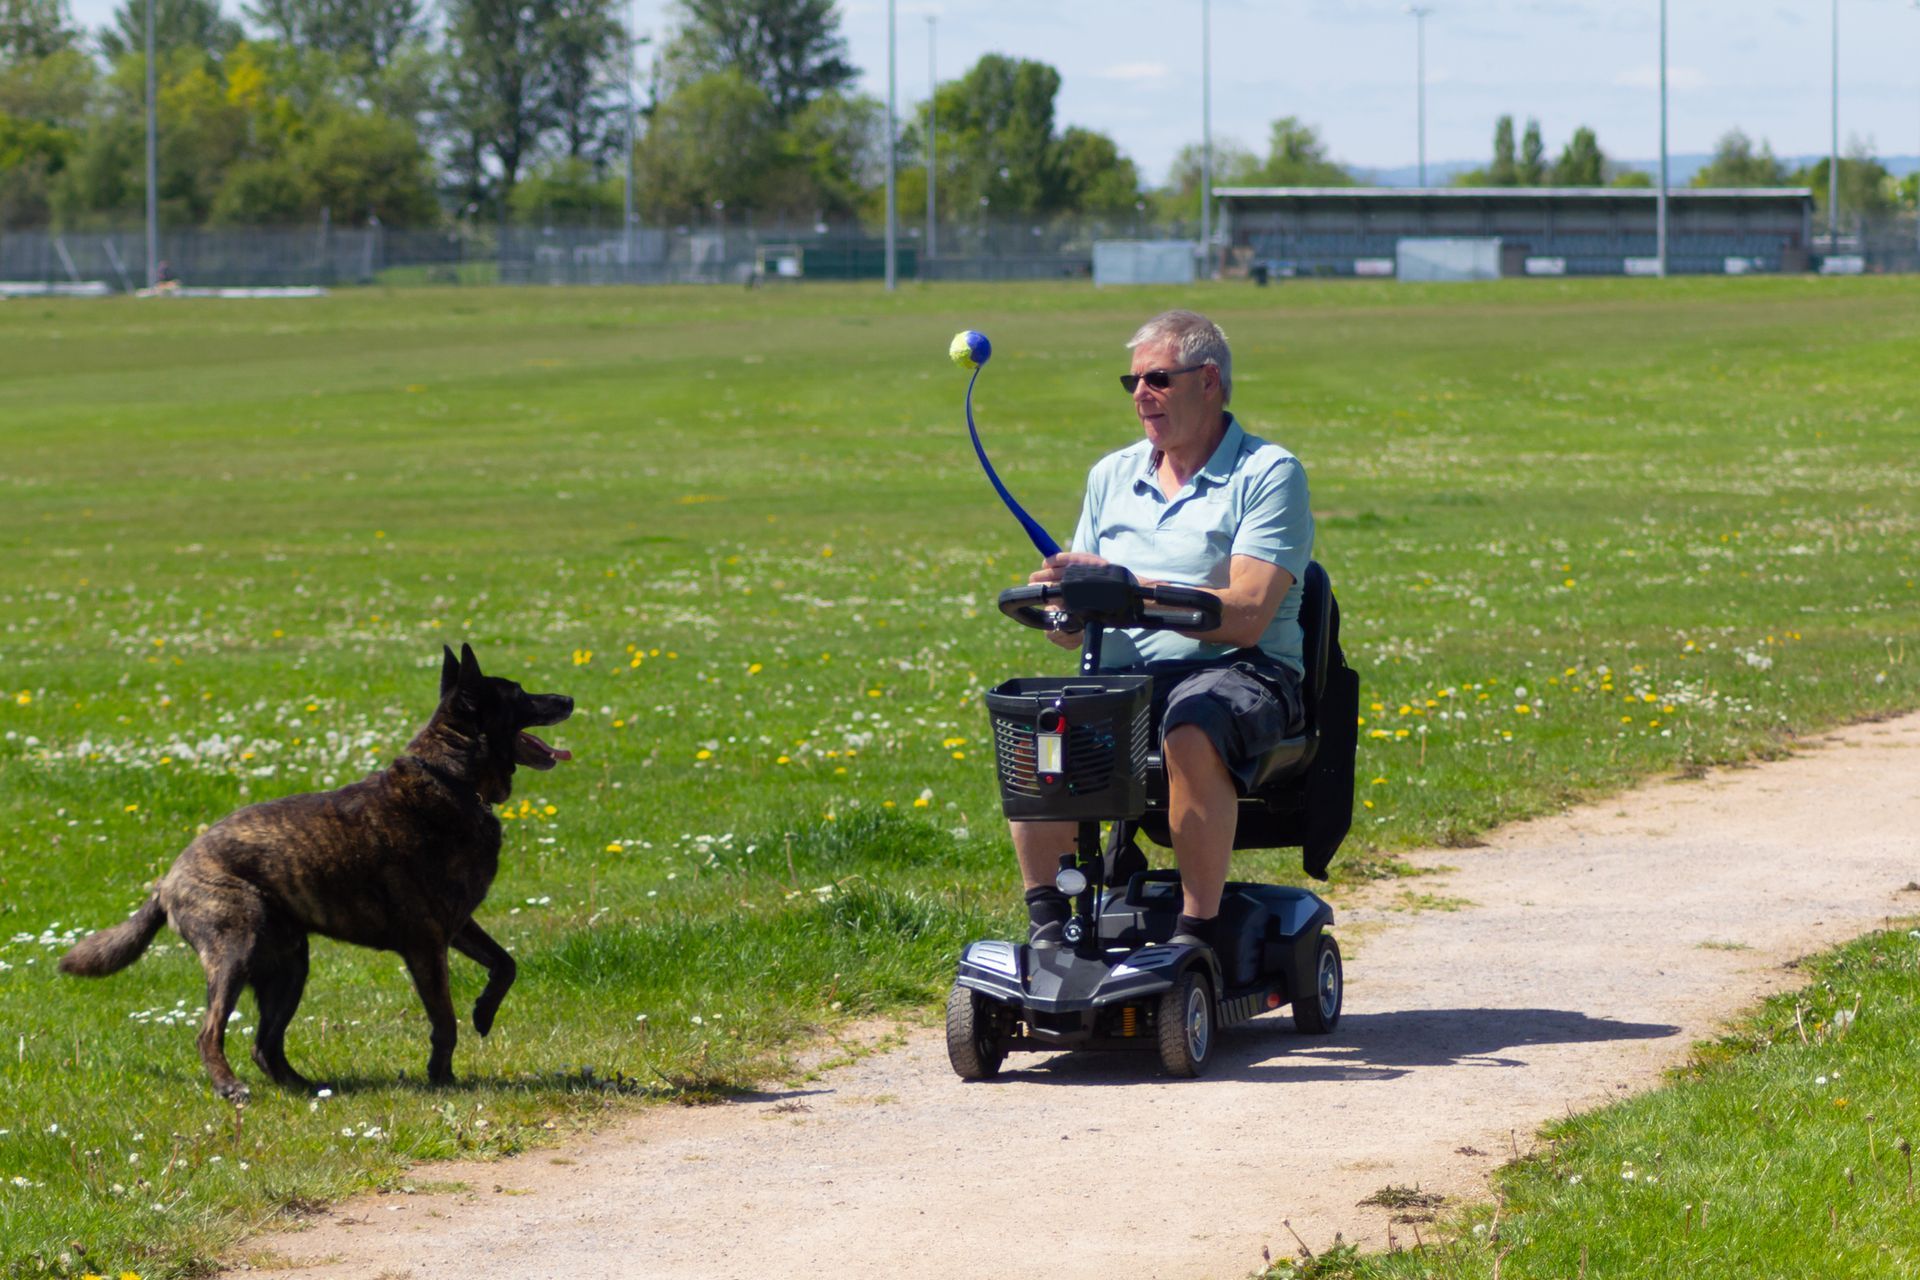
(1186,411)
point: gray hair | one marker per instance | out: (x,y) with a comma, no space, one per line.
(1195,340)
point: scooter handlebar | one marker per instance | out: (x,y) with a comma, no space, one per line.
(1162,607)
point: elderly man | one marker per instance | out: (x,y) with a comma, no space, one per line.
(1201,503)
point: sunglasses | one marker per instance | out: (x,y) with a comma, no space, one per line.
(1158,379)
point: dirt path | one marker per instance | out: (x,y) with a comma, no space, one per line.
(1590,951)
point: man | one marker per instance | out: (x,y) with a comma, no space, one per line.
(1200,503)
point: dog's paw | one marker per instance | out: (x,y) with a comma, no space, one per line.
(235,1092)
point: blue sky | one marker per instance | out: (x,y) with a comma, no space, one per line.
(1131,68)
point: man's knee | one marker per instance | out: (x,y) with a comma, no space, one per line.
(1190,749)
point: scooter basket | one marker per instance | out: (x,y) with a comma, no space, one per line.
(1072,749)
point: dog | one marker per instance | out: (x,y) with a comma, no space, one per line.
(398,861)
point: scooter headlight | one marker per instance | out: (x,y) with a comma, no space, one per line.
(1072,881)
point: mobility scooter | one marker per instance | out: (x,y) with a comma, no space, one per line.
(1085,749)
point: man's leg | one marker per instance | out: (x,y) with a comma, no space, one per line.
(1203,809)
(1037,846)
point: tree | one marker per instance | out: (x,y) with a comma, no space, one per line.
(1504,173)
(1532,170)
(369,30)
(567,190)
(996,123)
(1632,178)
(791,50)
(177,24)
(1297,158)
(33,29)
(32,155)
(1736,164)
(835,153)
(363,165)
(499,90)
(1581,162)
(1094,177)
(1866,188)
(710,142)
(583,53)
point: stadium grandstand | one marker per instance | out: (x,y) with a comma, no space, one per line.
(1474,232)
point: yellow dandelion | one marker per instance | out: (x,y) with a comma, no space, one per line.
(1522,709)
(703,754)
(1404,708)
(784,760)
(959,755)
(615,848)
(754,669)
(24,698)
(953,742)
(1401,733)
(1626,719)
(886,804)
(873,693)
(133,808)
(581,657)
(1567,583)
(1377,707)
(550,810)
(840,768)
(826,551)
(921,802)
(1367,803)
(619,724)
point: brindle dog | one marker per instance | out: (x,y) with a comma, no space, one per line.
(397,861)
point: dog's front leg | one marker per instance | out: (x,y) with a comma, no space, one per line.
(428,965)
(477,945)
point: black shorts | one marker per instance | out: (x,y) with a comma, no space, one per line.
(1245,708)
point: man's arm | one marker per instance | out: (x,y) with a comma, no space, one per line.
(1253,593)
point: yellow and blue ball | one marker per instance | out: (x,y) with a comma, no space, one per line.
(971,349)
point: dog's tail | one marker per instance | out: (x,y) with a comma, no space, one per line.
(111,950)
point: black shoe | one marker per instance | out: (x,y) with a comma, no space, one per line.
(1190,932)
(1047,937)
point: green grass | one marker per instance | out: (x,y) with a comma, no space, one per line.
(1675,521)
(1784,1149)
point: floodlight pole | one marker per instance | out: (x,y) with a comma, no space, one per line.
(892,208)
(1660,203)
(933,129)
(1206,137)
(153,164)
(1833,155)
(1420,13)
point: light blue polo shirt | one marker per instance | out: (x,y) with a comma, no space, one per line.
(1250,499)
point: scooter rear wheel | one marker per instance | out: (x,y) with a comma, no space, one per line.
(1186,1025)
(973,1042)
(1319,1013)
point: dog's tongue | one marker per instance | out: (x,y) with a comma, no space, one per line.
(554,752)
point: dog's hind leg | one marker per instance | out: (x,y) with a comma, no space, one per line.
(223,922)
(428,965)
(478,945)
(226,978)
(279,978)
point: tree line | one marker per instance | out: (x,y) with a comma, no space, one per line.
(517,110)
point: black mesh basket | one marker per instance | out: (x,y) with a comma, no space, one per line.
(1094,768)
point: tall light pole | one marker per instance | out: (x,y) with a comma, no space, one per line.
(933,129)
(627,215)
(1916,182)
(153,164)
(1420,13)
(1206,136)
(1660,203)
(892,206)
(1833,155)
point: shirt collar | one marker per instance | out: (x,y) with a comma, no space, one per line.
(1218,467)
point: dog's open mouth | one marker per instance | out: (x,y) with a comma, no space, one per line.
(535,754)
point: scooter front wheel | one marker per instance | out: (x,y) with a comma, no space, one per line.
(1186,1025)
(1319,1013)
(973,1040)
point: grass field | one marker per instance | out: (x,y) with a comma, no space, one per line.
(1580,532)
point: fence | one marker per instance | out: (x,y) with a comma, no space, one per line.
(465,253)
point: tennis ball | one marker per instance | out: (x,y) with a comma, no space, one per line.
(971,349)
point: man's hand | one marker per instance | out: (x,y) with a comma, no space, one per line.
(1055,565)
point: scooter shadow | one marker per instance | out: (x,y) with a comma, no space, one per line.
(1365,1047)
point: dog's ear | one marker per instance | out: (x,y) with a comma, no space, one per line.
(449,671)
(469,667)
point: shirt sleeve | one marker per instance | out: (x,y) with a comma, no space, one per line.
(1086,533)
(1278,523)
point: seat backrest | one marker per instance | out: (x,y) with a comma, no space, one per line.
(1317,612)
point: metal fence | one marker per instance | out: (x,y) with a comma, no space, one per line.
(467,253)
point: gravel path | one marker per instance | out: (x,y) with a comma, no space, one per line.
(1574,959)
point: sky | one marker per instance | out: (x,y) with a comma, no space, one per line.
(1131,69)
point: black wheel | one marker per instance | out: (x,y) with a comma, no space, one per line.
(1184,1017)
(973,1042)
(1319,1013)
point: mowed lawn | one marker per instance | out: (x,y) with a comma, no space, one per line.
(1580,532)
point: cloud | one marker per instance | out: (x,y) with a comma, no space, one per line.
(1647,76)
(1136,72)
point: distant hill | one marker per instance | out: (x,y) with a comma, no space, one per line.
(1680,169)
